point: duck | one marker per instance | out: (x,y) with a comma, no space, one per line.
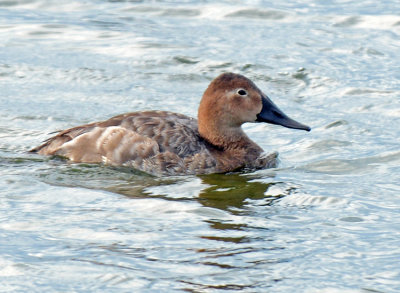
(167,143)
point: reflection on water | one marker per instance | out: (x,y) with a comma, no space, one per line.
(230,191)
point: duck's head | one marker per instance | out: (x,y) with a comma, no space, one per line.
(232,99)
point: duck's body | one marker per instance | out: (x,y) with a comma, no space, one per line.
(159,142)
(155,142)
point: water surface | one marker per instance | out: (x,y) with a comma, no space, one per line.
(326,220)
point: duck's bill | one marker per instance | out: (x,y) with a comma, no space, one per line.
(270,113)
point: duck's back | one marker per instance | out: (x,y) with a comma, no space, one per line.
(155,142)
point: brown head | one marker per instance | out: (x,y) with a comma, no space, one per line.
(231,100)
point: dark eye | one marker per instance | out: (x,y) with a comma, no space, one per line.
(242,92)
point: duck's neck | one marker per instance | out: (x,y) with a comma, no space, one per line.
(226,138)
(232,148)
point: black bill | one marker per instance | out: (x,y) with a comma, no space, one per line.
(270,113)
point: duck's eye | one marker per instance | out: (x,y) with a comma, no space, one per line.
(242,92)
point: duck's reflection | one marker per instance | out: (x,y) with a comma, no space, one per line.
(229,192)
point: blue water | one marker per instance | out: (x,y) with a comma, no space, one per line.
(326,220)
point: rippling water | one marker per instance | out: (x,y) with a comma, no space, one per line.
(327,220)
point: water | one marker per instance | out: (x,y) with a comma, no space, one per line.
(327,220)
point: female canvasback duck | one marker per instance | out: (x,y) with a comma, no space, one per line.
(167,143)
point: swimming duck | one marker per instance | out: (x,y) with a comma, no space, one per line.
(167,143)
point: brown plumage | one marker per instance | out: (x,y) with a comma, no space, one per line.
(161,142)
